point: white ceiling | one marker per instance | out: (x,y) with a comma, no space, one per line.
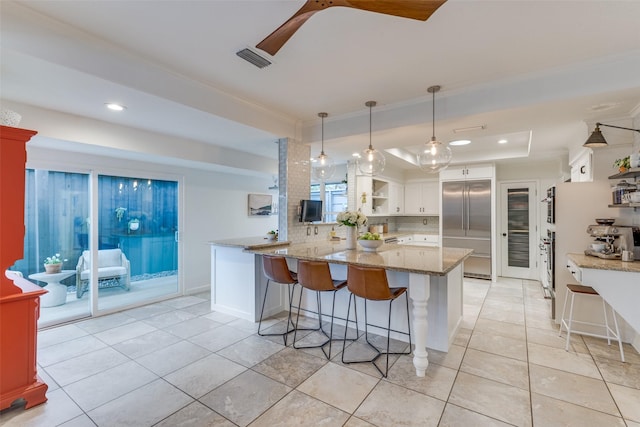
(537,72)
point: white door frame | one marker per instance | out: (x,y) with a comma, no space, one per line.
(504,268)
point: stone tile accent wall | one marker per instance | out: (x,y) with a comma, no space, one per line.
(294,177)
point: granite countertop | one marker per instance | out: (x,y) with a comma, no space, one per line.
(424,260)
(250,243)
(586,261)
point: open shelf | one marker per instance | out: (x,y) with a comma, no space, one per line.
(626,205)
(631,173)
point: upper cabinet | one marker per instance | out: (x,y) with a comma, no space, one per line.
(581,170)
(379,196)
(396,198)
(461,173)
(422,198)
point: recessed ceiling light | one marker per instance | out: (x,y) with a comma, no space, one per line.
(460,142)
(502,141)
(115,107)
(355,155)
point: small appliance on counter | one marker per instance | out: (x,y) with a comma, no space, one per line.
(611,240)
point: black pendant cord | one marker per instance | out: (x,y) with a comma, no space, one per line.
(433,120)
(322,116)
(322,133)
(370,146)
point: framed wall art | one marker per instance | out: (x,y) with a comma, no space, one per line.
(260,204)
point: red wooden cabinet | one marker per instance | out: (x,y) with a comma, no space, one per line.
(19,298)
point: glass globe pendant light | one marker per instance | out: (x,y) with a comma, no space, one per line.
(371,161)
(434,156)
(322,166)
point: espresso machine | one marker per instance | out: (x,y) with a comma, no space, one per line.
(611,240)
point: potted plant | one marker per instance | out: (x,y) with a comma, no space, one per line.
(134,224)
(623,164)
(272,235)
(53,264)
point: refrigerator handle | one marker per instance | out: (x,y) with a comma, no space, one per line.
(465,201)
(464,207)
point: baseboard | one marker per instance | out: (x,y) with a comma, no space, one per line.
(199,289)
(635,342)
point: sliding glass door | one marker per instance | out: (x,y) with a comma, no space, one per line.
(137,240)
(128,224)
(56,224)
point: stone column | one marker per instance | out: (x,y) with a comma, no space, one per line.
(294,182)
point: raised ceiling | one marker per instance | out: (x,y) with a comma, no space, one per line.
(535,71)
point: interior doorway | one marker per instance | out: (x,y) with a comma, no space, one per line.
(518,230)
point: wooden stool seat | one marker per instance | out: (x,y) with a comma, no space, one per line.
(581,289)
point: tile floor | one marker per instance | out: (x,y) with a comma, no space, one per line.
(176,363)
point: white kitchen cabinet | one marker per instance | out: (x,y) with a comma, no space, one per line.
(458,173)
(581,170)
(419,240)
(396,199)
(381,198)
(363,194)
(421,198)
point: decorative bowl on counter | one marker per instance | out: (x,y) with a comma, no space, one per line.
(370,245)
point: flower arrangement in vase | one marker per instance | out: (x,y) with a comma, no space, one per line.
(53,264)
(353,220)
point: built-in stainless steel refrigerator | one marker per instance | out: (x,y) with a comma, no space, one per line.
(466,223)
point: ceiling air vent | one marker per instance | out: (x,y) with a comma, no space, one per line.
(254,58)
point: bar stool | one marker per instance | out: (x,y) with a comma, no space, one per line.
(316,276)
(276,270)
(574,290)
(370,283)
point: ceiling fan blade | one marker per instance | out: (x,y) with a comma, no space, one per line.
(274,41)
(413,9)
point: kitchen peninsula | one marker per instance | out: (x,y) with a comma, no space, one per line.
(618,282)
(432,274)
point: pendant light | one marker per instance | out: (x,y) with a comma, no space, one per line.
(322,166)
(371,161)
(434,156)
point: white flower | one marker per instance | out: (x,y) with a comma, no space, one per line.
(351,219)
